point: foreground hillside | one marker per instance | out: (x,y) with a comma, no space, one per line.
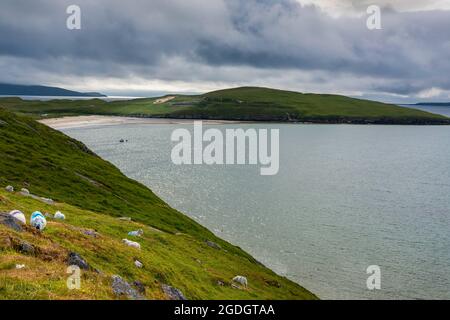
(176,252)
(246,103)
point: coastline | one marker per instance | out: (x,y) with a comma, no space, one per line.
(96,120)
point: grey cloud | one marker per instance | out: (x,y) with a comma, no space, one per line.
(224,41)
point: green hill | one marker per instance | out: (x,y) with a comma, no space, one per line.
(246,103)
(93,195)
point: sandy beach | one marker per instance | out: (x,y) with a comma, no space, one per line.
(90,121)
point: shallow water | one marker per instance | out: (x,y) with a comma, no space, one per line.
(346,197)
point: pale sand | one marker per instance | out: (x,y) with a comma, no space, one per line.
(90,121)
(164,100)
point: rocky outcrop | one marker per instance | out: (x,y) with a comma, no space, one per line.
(121,288)
(74,259)
(213,245)
(10,222)
(172,293)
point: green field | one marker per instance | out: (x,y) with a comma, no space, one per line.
(246,103)
(93,194)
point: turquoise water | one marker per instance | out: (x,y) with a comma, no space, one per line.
(346,197)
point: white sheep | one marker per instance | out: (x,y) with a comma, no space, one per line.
(241,280)
(138,264)
(38,221)
(132,244)
(59,216)
(9,188)
(18,215)
(137,233)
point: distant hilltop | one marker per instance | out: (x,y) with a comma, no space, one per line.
(31,90)
(239,104)
(434,104)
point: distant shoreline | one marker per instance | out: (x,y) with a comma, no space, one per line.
(73,122)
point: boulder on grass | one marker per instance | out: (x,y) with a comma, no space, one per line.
(121,288)
(74,259)
(172,293)
(18,215)
(11,222)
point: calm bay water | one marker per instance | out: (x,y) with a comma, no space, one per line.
(346,197)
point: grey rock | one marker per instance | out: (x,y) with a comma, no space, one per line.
(139,287)
(173,293)
(10,222)
(24,247)
(122,288)
(213,245)
(91,233)
(25,192)
(47,201)
(74,259)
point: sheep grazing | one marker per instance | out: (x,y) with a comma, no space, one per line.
(138,264)
(25,192)
(9,188)
(18,215)
(137,233)
(132,244)
(38,221)
(241,280)
(59,216)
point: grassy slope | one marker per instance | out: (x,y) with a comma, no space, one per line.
(93,193)
(246,103)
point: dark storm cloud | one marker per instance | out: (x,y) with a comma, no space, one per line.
(126,39)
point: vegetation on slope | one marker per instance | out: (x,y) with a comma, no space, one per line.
(246,103)
(93,194)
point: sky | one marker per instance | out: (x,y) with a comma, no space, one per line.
(149,47)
